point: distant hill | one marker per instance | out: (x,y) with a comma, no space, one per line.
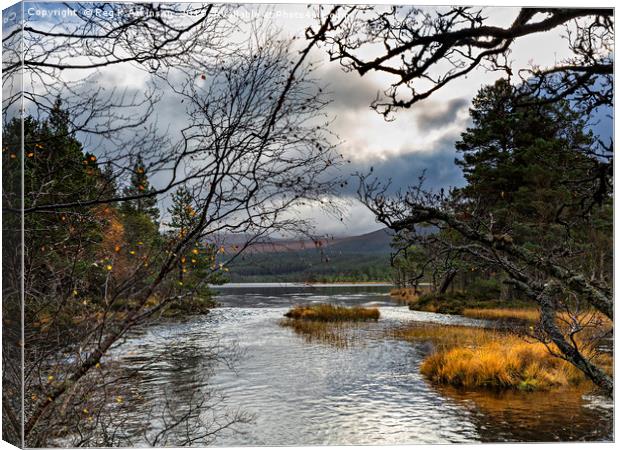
(351,258)
(375,242)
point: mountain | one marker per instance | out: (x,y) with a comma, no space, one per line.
(353,258)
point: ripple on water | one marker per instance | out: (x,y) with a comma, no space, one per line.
(307,393)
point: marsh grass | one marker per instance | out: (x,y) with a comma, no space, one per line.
(483,358)
(593,322)
(329,324)
(337,334)
(333,313)
(507,314)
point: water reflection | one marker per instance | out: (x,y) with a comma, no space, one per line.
(302,392)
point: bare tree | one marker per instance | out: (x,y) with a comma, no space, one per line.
(423,50)
(255,145)
(544,278)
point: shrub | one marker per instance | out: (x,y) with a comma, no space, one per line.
(458,302)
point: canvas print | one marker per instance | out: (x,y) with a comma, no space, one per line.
(306,224)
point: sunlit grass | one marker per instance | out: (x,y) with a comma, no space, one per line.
(330,324)
(476,357)
(332,313)
(524,314)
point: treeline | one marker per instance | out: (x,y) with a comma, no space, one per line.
(311,266)
(93,266)
(528,167)
(74,252)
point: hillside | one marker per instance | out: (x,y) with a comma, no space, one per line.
(353,258)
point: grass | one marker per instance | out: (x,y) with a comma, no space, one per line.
(333,333)
(327,323)
(482,358)
(332,313)
(521,314)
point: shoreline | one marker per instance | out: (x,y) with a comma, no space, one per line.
(283,284)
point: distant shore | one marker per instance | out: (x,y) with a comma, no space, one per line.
(302,284)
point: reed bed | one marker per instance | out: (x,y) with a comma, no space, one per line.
(337,334)
(330,324)
(333,313)
(482,358)
(521,314)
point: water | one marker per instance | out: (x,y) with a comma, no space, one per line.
(243,364)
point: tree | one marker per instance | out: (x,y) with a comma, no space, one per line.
(518,215)
(142,198)
(198,266)
(425,49)
(255,145)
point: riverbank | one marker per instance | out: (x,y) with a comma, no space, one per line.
(354,384)
(472,357)
(467,304)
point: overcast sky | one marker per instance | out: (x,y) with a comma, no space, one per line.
(421,138)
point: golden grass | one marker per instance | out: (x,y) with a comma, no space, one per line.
(332,313)
(592,320)
(445,336)
(504,364)
(476,357)
(524,314)
(332,333)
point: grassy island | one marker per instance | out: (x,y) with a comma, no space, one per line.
(333,313)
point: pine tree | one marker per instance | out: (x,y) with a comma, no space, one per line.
(523,162)
(517,159)
(182,213)
(146,201)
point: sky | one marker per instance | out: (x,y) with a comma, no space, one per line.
(420,139)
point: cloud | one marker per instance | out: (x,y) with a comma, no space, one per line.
(433,114)
(348,90)
(404,169)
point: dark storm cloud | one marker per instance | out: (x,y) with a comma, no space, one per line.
(433,114)
(402,170)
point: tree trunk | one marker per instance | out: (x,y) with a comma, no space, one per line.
(447,280)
